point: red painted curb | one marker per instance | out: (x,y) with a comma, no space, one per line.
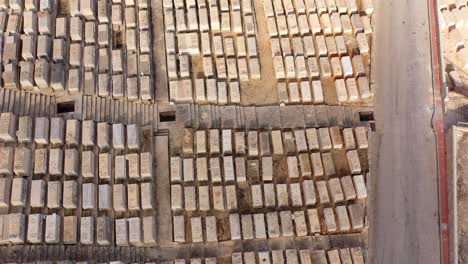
(438,124)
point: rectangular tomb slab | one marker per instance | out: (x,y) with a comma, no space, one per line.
(35,230)
(41,131)
(103,230)
(8,126)
(119,197)
(121,232)
(72,135)
(25,125)
(22,161)
(87,230)
(52,230)
(70,231)
(135,236)
(6,161)
(70,194)
(179,228)
(37,192)
(15,224)
(19,192)
(54,194)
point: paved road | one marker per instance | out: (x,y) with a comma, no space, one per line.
(404,221)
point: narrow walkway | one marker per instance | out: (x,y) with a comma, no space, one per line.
(404,220)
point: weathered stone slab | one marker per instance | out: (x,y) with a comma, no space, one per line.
(35,230)
(348,188)
(119,197)
(37,192)
(70,232)
(133,197)
(179,228)
(19,192)
(353,161)
(234,223)
(135,236)
(103,230)
(322,192)
(88,196)
(70,195)
(104,201)
(52,229)
(330,223)
(87,230)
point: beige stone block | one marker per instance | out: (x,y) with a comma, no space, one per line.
(190,198)
(121,232)
(16,226)
(105,166)
(5,185)
(35,230)
(322,191)
(70,232)
(104,201)
(119,197)
(22,163)
(133,197)
(19,192)
(273,225)
(135,235)
(71,162)
(52,229)
(88,196)
(282,195)
(70,194)
(296,197)
(87,230)
(203,198)
(330,222)
(218,198)
(361,137)
(240,169)
(146,196)
(178,223)
(353,161)
(211,229)
(197,229)
(360,186)
(343,219)
(103,230)
(72,134)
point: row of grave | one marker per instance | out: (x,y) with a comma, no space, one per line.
(208,19)
(272,142)
(311,92)
(54,229)
(266,169)
(289,256)
(120,198)
(318,45)
(213,17)
(56,131)
(22,161)
(308,92)
(334,24)
(341,219)
(282,7)
(204,198)
(83,8)
(299,67)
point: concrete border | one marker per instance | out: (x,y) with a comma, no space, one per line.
(438,125)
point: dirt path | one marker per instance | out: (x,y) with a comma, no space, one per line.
(263,91)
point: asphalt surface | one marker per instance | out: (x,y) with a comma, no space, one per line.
(404,218)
